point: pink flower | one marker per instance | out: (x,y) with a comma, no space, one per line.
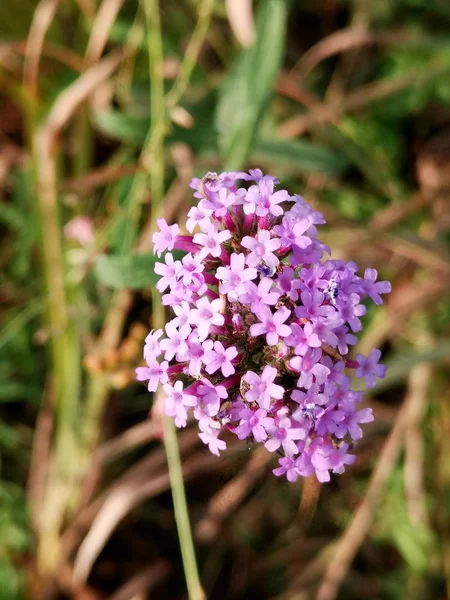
(191,269)
(168,272)
(262,200)
(165,238)
(176,402)
(207,314)
(302,338)
(284,435)
(257,306)
(257,296)
(271,324)
(211,241)
(234,276)
(209,437)
(175,343)
(152,348)
(220,358)
(262,248)
(369,367)
(262,387)
(211,396)
(253,422)
(199,215)
(81,230)
(155,373)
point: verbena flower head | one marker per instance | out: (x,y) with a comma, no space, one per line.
(262,327)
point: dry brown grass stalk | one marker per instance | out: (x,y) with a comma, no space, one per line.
(103,21)
(42,19)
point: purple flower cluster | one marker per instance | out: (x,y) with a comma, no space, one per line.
(262,326)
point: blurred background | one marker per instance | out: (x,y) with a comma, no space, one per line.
(107,109)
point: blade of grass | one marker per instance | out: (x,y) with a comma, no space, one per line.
(247,89)
(191,54)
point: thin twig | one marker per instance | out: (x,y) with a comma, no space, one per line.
(60,53)
(141,584)
(73,96)
(231,495)
(85,184)
(377,90)
(345,40)
(140,434)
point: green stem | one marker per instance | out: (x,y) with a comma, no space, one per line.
(191,54)
(153,156)
(181,513)
(153,161)
(65,352)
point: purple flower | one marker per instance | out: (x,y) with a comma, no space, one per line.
(310,368)
(258,307)
(271,324)
(312,396)
(349,424)
(155,373)
(262,387)
(199,216)
(284,435)
(211,396)
(176,402)
(351,311)
(165,238)
(369,367)
(234,276)
(312,306)
(302,338)
(262,248)
(211,241)
(288,284)
(168,272)
(220,358)
(287,467)
(259,295)
(207,314)
(291,232)
(370,287)
(253,422)
(344,339)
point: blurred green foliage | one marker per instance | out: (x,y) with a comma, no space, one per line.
(354,163)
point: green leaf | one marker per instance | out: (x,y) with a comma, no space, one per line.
(126,128)
(297,155)
(247,88)
(135,272)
